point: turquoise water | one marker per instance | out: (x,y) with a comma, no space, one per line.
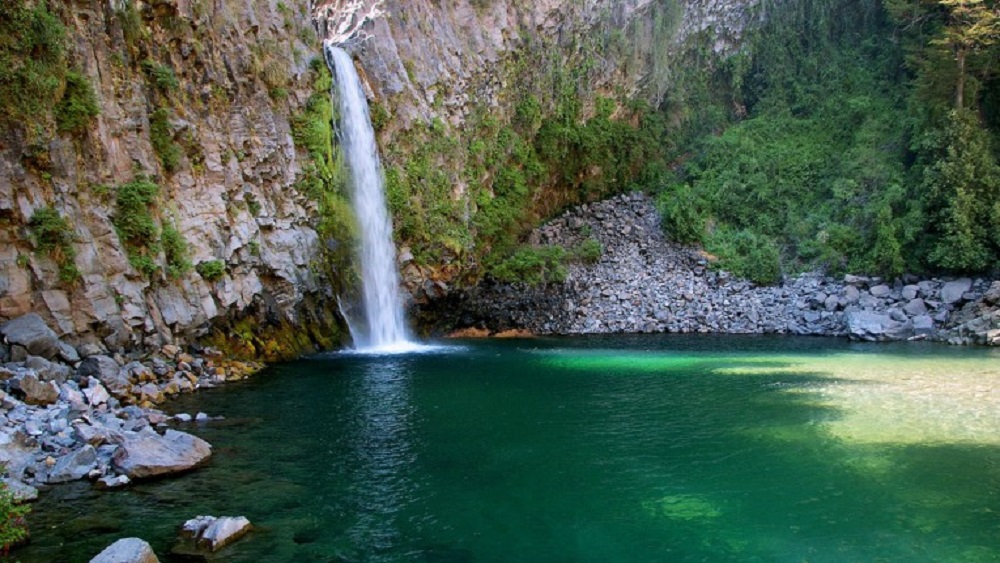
(651,448)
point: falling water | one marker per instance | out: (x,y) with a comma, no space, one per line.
(383,326)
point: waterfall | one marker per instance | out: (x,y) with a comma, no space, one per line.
(383,325)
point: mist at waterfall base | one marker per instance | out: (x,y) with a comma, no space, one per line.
(616,448)
(381,327)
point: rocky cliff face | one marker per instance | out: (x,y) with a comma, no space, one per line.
(200,97)
(197,96)
(444,77)
(445,60)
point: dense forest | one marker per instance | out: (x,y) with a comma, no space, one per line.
(856,135)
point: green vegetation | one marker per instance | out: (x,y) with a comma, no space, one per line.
(161,76)
(323,178)
(589,252)
(162,138)
(175,248)
(212,270)
(135,225)
(32,60)
(855,153)
(533,266)
(13,527)
(53,236)
(78,104)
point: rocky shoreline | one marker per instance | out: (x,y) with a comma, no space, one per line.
(71,413)
(644,283)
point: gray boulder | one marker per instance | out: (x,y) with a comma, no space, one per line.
(48,371)
(849,295)
(915,308)
(952,291)
(68,353)
(923,326)
(31,332)
(212,534)
(880,291)
(224,531)
(38,392)
(74,465)
(20,491)
(95,393)
(106,370)
(864,325)
(127,550)
(151,455)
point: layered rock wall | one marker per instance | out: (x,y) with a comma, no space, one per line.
(241,77)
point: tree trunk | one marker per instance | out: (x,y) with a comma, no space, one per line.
(960,87)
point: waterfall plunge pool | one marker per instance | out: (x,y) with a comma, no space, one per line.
(628,448)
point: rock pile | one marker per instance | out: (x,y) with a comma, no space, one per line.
(73,413)
(645,283)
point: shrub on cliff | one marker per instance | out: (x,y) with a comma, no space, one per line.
(32,59)
(53,236)
(212,270)
(134,223)
(78,104)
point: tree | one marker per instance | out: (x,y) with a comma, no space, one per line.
(963,187)
(972,26)
(342,20)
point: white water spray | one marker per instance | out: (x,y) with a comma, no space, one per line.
(383,327)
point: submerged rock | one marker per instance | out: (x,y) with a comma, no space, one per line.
(212,534)
(127,550)
(150,455)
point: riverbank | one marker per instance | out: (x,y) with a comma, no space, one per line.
(72,413)
(644,283)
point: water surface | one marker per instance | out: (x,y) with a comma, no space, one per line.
(645,448)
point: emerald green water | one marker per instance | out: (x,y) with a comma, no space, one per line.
(653,448)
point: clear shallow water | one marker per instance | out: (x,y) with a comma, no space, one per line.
(652,448)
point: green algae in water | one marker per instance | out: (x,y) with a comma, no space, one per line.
(683,507)
(650,448)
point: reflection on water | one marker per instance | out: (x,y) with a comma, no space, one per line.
(380,437)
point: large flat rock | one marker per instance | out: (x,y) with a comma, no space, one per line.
(127,550)
(31,332)
(152,455)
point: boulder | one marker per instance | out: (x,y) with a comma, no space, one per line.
(151,455)
(952,291)
(74,465)
(106,370)
(95,393)
(48,371)
(850,294)
(112,482)
(880,291)
(37,392)
(31,332)
(212,534)
(864,325)
(224,531)
(68,353)
(20,491)
(910,292)
(915,308)
(127,550)
(923,326)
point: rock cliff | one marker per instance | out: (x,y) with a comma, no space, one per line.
(182,206)
(197,97)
